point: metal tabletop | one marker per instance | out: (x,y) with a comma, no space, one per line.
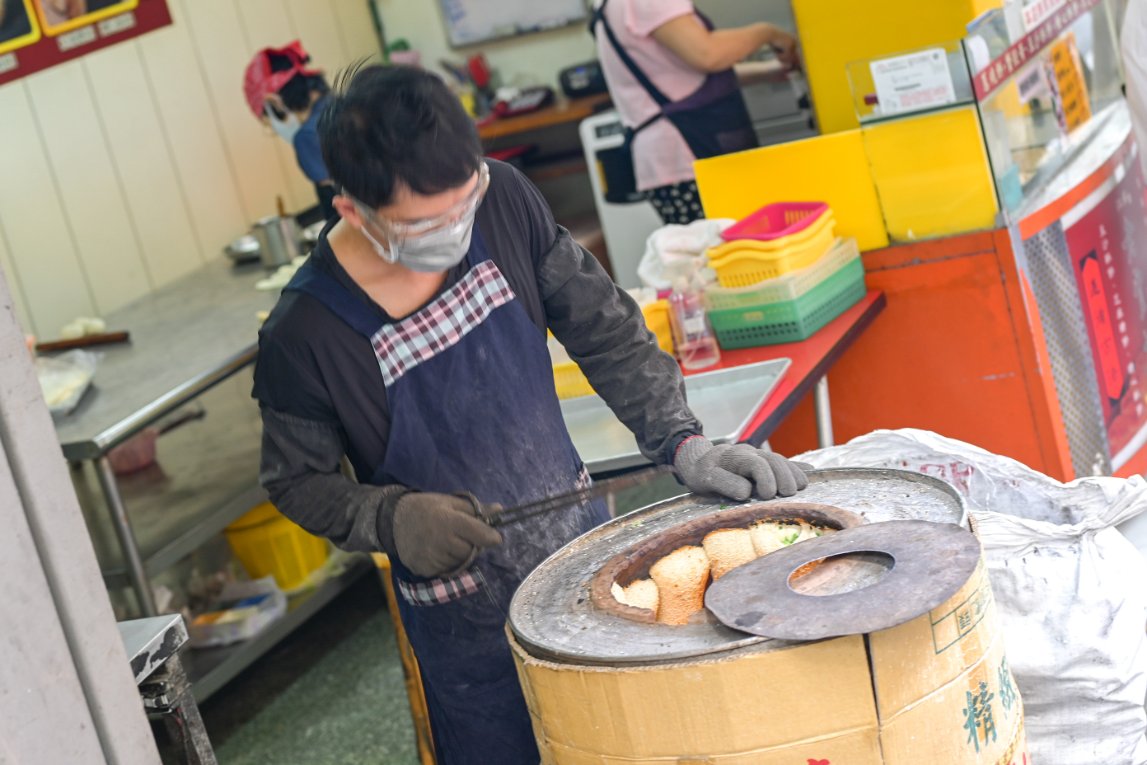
(725,401)
(185,337)
(152,641)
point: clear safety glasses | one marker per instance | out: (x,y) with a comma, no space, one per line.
(398,234)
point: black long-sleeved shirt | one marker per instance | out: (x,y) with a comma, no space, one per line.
(322,395)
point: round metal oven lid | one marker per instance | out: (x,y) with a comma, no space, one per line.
(552,614)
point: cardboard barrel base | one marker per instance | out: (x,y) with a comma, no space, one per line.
(934,690)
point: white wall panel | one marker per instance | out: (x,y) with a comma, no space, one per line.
(215,27)
(319,32)
(356,26)
(144,162)
(210,190)
(267,25)
(89,188)
(35,227)
(8,269)
(124,170)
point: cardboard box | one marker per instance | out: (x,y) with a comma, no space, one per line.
(935,690)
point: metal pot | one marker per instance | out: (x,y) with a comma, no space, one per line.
(245,249)
(278,240)
(311,232)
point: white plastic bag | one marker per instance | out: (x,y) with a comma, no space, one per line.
(678,251)
(1070,587)
(64,378)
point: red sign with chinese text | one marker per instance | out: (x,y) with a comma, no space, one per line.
(38,34)
(1107,247)
(995,74)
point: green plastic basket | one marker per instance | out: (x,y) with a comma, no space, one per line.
(791,320)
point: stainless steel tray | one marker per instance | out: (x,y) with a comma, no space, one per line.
(724,401)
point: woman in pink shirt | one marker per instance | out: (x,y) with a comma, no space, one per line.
(671,77)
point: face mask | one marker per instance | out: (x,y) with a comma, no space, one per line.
(434,252)
(285,128)
(429,246)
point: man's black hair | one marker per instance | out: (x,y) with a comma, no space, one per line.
(296,94)
(391,126)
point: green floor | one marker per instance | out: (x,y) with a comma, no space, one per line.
(331,693)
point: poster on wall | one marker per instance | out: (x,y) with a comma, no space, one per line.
(1107,246)
(38,34)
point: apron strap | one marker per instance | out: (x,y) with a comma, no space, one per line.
(653,91)
(337,298)
(716,85)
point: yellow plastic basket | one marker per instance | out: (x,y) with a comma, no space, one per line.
(744,262)
(266,542)
(568,377)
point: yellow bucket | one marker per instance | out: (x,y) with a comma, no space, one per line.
(266,542)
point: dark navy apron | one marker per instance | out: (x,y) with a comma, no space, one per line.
(713,119)
(470,389)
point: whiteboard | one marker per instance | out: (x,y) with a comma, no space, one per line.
(475,21)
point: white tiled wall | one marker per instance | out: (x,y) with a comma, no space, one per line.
(127,168)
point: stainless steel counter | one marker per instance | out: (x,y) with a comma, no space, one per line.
(724,400)
(185,338)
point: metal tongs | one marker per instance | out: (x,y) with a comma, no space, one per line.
(499,517)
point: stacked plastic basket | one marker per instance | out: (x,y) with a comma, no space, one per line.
(781,276)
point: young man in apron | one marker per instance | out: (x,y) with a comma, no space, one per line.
(414,343)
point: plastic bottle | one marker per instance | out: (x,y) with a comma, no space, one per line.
(693,337)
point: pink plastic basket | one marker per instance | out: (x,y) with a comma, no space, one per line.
(775,221)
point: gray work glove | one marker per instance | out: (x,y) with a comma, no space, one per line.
(439,534)
(736,471)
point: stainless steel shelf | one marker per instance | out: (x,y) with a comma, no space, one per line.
(206,527)
(211,668)
(205,477)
